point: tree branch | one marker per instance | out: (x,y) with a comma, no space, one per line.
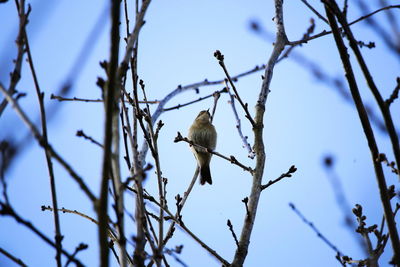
(220,58)
(281,41)
(12,257)
(231,159)
(367,130)
(111,105)
(54,154)
(287,174)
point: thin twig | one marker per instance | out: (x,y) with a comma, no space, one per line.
(40,95)
(190,233)
(76,99)
(232,232)
(80,133)
(306,35)
(216,96)
(364,232)
(386,36)
(324,32)
(7,210)
(12,257)
(182,203)
(246,204)
(341,199)
(54,154)
(218,55)
(80,247)
(315,11)
(395,93)
(64,210)
(231,159)
(320,75)
(133,37)
(161,189)
(111,232)
(3,150)
(251,154)
(315,229)
(194,101)
(287,174)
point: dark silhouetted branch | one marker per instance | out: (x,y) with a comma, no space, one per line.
(54,154)
(218,55)
(287,174)
(366,127)
(232,232)
(12,257)
(319,234)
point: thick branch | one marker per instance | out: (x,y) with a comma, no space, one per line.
(281,41)
(387,117)
(367,131)
(110,93)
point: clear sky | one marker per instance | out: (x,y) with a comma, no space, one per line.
(305,120)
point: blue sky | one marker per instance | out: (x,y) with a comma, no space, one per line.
(304,121)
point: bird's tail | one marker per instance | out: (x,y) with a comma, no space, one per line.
(205,174)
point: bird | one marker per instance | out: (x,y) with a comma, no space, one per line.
(203,133)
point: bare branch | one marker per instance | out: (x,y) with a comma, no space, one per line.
(111,137)
(220,58)
(281,41)
(246,202)
(239,125)
(232,232)
(231,159)
(61,99)
(216,96)
(395,93)
(315,11)
(16,73)
(324,32)
(12,257)
(161,188)
(181,204)
(287,174)
(80,133)
(315,229)
(39,138)
(190,233)
(133,37)
(40,95)
(80,247)
(7,210)
(331,10)
(224,90)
